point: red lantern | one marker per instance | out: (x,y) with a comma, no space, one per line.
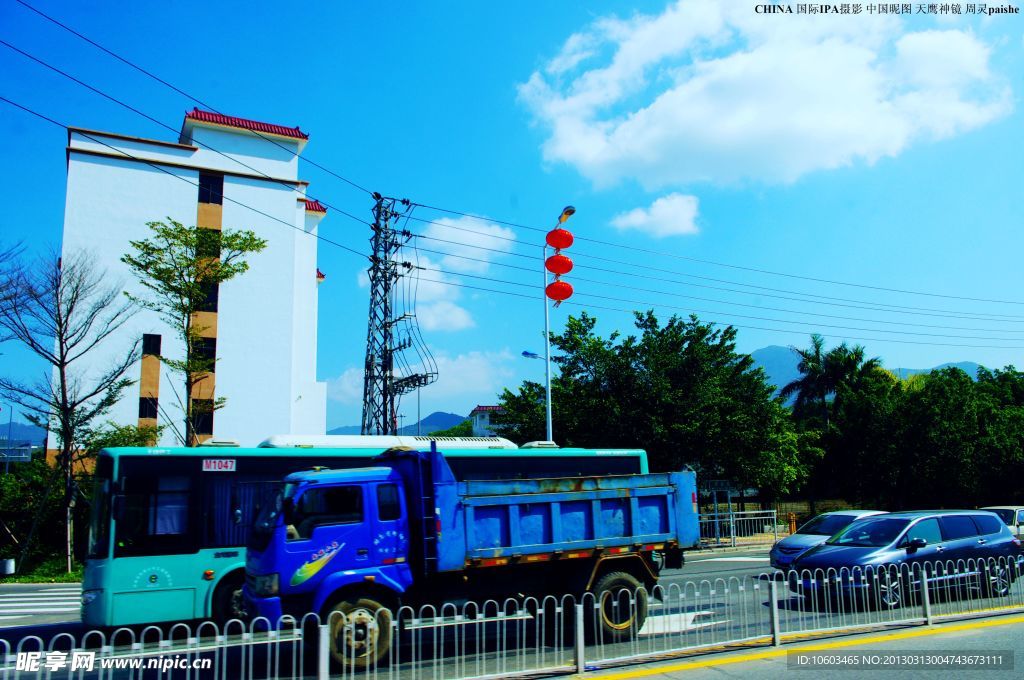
(559,238)
(559,290)
(558,264)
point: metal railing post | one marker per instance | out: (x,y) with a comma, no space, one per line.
(926,597)
(773,611)
(732,527)
(324,656)
(775,527)
(581,664)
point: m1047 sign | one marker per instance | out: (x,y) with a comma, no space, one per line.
(218,465)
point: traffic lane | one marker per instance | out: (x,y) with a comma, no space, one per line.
(981,637)
(711,566)
(39,603)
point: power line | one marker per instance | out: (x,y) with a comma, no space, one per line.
(172,129)
(740,326)
(823,299)
(647,303)
(647,251)
(156,166)
(193,98)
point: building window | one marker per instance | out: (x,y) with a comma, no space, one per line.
(211,188)
(147,407)
(210,303)
(202,416)
(151,344)
(206,349)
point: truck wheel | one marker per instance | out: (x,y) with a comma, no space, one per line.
(621,606)
(227,602)
(360,632)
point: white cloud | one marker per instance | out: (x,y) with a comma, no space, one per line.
(479,373)
(711,91)
(669,215)
(443,315)
(472,243)
(482,374)
(347,388)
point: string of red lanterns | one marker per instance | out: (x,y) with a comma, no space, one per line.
(558,264)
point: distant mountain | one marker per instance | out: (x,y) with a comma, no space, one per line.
(780,364)
(438,420)
(23,432)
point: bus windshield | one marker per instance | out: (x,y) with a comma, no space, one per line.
(99,516)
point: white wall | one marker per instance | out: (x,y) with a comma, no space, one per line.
(266,339)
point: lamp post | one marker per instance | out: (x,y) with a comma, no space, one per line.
(567,212)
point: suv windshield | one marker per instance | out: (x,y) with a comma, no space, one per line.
(870,533)
(826,525)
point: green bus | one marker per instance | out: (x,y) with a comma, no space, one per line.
(169,525)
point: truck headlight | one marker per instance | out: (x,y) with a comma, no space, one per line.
(265,585)
(89,596)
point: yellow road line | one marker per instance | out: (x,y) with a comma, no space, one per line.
(777,652)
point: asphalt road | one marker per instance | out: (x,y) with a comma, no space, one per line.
(981,639)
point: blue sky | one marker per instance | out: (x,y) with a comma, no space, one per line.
(879,151)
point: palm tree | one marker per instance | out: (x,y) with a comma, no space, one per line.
(811,388)
(823,373)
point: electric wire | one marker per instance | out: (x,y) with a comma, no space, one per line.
(156,166)
(719,313)
(499,221)
(739,326)
(131,108)
(451,211)
(185,94)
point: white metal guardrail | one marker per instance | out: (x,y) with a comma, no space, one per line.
(553,635)
(747,528)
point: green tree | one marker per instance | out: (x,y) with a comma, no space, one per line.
(62,310)
(463,429)
(181,267)
(679,390)
(822,377)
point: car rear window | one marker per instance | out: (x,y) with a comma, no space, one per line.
(957,526)
(988,524)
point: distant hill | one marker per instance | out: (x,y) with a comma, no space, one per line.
(438,420)
(780,364)
(23,432)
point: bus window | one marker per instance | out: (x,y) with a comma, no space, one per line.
(154,515)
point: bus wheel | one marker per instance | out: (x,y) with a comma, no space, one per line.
(621,606)
(228,602)
(360,631)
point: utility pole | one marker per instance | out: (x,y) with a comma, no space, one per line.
(381,389)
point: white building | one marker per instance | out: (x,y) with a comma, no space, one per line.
(481,417)
(262,325)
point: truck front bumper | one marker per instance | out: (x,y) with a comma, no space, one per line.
(268,608)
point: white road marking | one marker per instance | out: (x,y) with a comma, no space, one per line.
(679,622)
(49,610)
(732,559)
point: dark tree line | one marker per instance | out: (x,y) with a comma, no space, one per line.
(853,431)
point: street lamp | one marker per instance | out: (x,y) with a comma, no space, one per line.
(567,212)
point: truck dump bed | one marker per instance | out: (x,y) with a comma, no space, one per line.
(538,519)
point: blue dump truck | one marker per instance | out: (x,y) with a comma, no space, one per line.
(353,545)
